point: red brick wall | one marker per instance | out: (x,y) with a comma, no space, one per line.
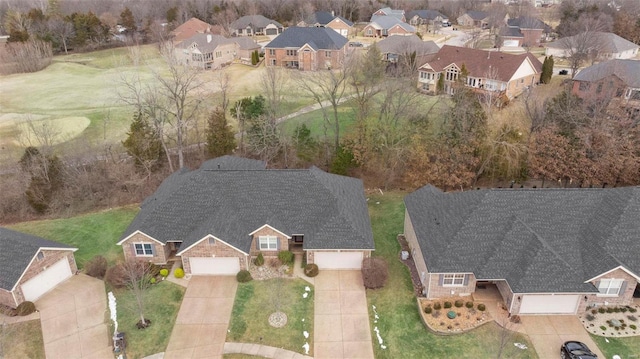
(531,37)
(317,59)
(416,251)
(609,87)
(624,298)
(7,299)
(398,30)
(161,253)
(37,266)
(266,231)
(218,249)
(435,290)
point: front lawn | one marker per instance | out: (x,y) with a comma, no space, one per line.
(93,233)
(628,347)
(256,300)
(402,332)
(162,304)
(22,340)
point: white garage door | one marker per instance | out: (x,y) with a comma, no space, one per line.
(549,304)
(338,260)
(510,43)
(215,266)
(35,287)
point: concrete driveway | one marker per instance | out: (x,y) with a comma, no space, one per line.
(548,332)
(341,318)
(72,316)
(201,327)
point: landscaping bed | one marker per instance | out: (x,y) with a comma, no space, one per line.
(452,315)
(612,321)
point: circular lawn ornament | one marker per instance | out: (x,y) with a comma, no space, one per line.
(278,319)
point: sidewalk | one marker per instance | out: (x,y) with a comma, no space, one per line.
(298,271)
(262,351)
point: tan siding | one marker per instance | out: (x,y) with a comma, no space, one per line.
(161,253)
(217,249)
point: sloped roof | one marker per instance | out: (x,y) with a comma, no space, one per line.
(253,21)
(231,202)
(16,252)
(323,18)
(478,62)
(526,22)
(626,70)
(205,42)
(477,15)
(246,43)
(397,13)
(406,44)
(510,31)
(425,14)
(191,27)
(539,240)
(387,22)
(606,42)
(320,38)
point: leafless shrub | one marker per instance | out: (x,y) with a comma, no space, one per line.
(30,56)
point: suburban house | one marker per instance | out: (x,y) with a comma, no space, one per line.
(327,19)
(217,218)
(547,251)
(307,49)
(191,27)
(395,47)
(387,11)
(385,25)
(251,25)
(523,31)
(617,81)
(207,51)
(474,18)
(31,266)
(605,45)
(502,74)
(426,17)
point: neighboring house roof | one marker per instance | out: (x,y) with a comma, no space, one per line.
(526,22)
(323,18)
(399,14)
(253,21)
(246,43)
(407,44)
(478,62)
(319,38)
(191,27)
(477,15)
(239,197)
(205,42)
(426,14)
(626,70)
(508,31)
(539,240)
(607,42)
(17,250)
(387,22)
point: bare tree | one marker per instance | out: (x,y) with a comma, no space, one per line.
(582,47)
(137,276)
(224,82)
(62,30)
(273,81)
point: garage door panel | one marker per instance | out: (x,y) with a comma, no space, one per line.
(549,304)
(35,287)
(510,43)
(214,265)
(338,260)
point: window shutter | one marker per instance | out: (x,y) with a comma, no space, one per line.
(623,288)
(277,243)
(258,243)
(466,280)
(153,249)
(133,247)
(441,280)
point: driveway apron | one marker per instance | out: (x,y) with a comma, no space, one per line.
(201,326)
(341,318)
(72,316)
(548,332)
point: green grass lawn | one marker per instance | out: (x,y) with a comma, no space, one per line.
(315,122)
(93,233)
(256,300)
(628,347)
(162,305)
(22,340)
(399,322)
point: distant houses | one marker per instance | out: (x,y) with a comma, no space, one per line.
(604,45)
(307,49)
(328,19)
(474,18)
(524,31)
(252,25)
(209,51)
(192,27)
(387,25)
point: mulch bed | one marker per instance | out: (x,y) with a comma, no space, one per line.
(415,276)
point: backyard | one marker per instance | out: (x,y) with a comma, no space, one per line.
(628,347)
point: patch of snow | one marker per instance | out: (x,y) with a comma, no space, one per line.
(373,306)
(307,289)
(112,309)
(305,294)
(306,334)
(520,346)
(303,319)
(306,348)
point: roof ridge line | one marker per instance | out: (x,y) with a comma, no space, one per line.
(544,242)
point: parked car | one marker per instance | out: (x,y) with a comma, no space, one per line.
(355,44)
(563,72)
(576,350)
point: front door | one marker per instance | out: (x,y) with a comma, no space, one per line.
(307,64)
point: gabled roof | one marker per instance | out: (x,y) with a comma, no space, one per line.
(205,42)
(425,14)
(526,22)
(477,15)
(626,70)
(191,27)
(397,13)
(322,18)
(407,44)
(253,21)
(539,240)
(387,22)
(478,62)
(606,42)
(232,201)
(509,31)
(319,38)
(17,250)
(246,43)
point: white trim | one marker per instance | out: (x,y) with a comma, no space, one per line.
(57,249)
(138,232)
(144,251)
(217,239)
(617,294)
(266,225)
(338,250)
(267,240)
(453,279)
(611,270)
(31,262)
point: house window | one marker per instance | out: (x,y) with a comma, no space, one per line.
(369,32)
(327,54)
(268,243)
(599,88)
(453,280)
(273,62)
(610,286)
(40,256)
(292,52)
(212,241)
(143,249)
(218,53)
(452,74)
(584,86)
(272,52)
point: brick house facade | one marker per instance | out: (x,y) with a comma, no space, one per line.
(307,49)
(212,247)
(158,254)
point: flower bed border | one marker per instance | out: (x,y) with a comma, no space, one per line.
(447,332)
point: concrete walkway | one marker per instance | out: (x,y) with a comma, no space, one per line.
(262,351)
(72,316)
(548,332)
(341,318)
(201,326)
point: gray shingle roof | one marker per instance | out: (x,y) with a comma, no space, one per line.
(330,210)
(320,38)
(397,13)
(607,42)
(626,70)
(539,240)
(323,18)
(425,14)
(387,22)
(253,21)
(477,15)
(526,22)
(407,44)
(16,252)
(205,42)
